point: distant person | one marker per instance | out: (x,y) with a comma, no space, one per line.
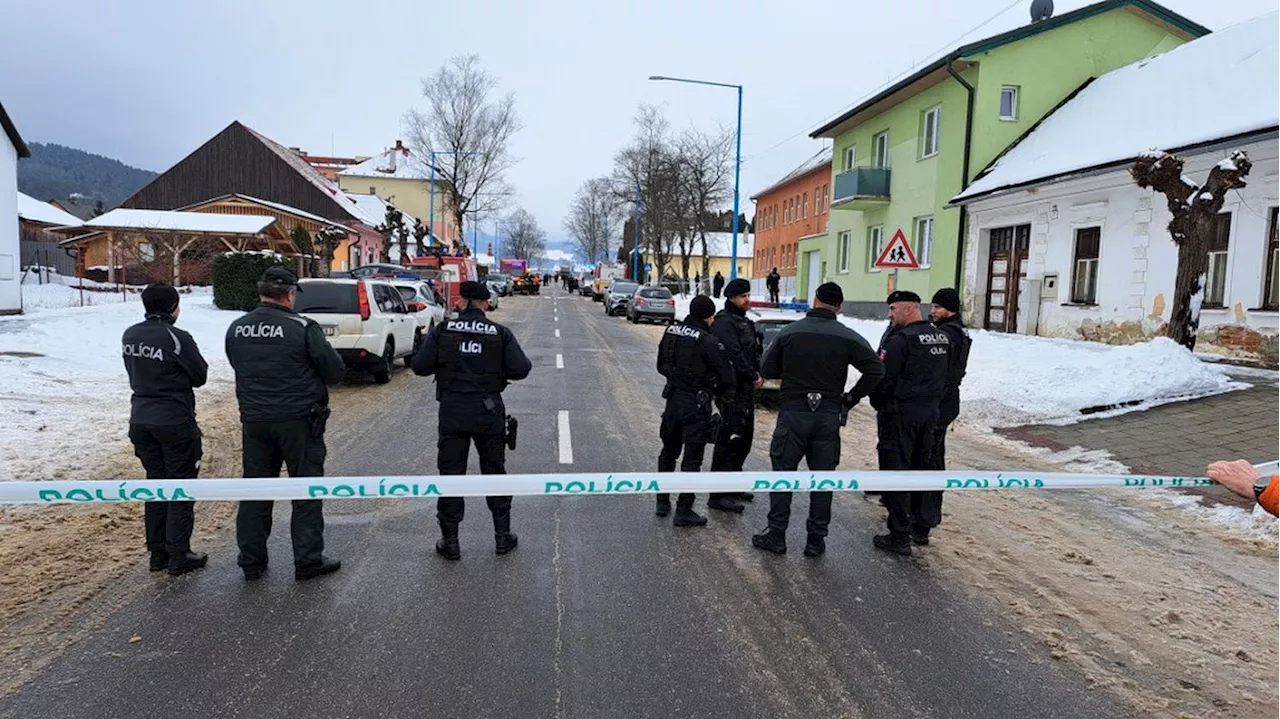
(772,281)
(164,366)
(697,283)
(282,363)
(717,284)
(1245,480)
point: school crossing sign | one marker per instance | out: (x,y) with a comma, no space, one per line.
(897,255)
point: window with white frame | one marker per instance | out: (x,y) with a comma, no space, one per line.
(804,207)
(843,247)
(1009,103)
(817,201)
(924,240)
(786,215)
(1271,293)
(1216,276)
(847,163)
(930,131)
(880,149)
(826,197)
(1084,277)
(875,245)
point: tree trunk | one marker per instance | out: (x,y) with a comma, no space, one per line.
(1189,286)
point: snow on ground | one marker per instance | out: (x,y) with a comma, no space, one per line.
(63,391)
(1016,379)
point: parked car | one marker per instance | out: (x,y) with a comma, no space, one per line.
(768,325)
(425,306)
(585,286)
(494,294)
(617,295)
(366,321)
(652,303)
(499,283)
(382,270)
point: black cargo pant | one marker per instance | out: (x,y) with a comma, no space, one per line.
(906,438)
(815,437)
(948,410)
(171,452)
(464,419)
(737,430)
(685,431)
(266,447)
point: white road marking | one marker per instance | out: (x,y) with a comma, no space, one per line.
(556,318)
(559,361)
(557,333)
(566,442)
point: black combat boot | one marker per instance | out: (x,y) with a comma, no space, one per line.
(503,540)
(180,564)
(326,566)
(920,538)
(448,547)
(725,503)
(664,505)
(888,544)
(159,561)
(745,497)
(685,516)
(770,541)
(815,546)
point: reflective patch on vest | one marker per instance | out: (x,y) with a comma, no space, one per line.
(263,330)
(143,351)
(471,347)
(475,327)
(684,331)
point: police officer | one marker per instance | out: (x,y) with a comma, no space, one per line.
(738,408)
(812,358)
(697,372)
(915,356)
(282,363)
(946,317)
(473,360)
(164,366)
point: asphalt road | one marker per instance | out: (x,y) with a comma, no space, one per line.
(604,610)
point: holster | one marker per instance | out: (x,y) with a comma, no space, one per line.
(512,429)
(318,420)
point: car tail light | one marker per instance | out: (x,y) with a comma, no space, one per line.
(417,306)
(362,296)
(671,302)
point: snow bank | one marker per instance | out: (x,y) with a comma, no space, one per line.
(1016,379)
(64,396)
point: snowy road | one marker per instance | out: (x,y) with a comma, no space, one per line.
(604,610)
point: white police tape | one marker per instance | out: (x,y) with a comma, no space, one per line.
(166,490)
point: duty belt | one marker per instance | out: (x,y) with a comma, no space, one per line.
(814,402)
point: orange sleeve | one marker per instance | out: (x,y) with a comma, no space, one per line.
(1270,497)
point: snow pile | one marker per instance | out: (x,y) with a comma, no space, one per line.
(64,395)
(1253,524)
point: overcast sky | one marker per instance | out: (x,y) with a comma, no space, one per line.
(147,81)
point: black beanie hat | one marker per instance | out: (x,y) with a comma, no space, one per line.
(947,298)
(473,291)
(737,286)
(702,307)
(829,293)
(160,299)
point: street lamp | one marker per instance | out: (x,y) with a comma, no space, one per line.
(737,163)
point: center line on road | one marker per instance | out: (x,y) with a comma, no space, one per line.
(557,333)
(566,442)
(556,318)
(559,361)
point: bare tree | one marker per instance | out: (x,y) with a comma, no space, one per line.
(524,239)
(1194,211)
(394,231)
(708,167)
(470,134)
(645,167)
(592,218)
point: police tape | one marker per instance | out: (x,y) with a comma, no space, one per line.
(426,486)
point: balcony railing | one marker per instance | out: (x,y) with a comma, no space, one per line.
(862,188)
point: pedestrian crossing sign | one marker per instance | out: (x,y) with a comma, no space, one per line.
(897,255)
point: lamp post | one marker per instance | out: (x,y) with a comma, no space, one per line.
(737,163)
(635,236)
(431,221)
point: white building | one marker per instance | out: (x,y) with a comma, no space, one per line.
(11,148)
(1061,242)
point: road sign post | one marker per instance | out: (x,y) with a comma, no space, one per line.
(897,255)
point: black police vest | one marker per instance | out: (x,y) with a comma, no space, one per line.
(471,357)
(684,362)
(925,375)
(275,380)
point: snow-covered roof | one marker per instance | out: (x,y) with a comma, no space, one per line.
(33,210)
(275,206)
(822,157)
(372,210)
(720,244)
(169,220)
(485,260)
(1218,86)
(398,162)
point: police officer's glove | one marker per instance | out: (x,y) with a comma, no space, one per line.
(851,399)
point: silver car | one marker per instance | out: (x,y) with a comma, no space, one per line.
(652,303)
(617,295)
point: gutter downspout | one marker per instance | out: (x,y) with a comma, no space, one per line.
(964,171)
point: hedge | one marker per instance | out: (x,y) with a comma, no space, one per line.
(235,278)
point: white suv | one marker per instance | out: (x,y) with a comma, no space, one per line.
(366,321)
(425,306)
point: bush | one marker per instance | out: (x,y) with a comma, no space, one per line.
(235,278)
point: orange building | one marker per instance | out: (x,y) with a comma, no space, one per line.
(792,209)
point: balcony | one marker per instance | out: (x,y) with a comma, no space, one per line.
(862,188)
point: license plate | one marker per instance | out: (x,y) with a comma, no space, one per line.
(328,330)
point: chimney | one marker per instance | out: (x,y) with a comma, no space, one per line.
(399,145)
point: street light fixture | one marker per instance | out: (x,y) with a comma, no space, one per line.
(737,165)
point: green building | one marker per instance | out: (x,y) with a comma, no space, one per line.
(901,155)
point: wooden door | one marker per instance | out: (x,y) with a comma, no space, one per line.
(1006,266)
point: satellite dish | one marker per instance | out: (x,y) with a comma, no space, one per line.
(1041,10)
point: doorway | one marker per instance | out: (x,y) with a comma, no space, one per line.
(815,273)
(1006,266)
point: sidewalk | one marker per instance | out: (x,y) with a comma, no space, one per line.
(1177,439)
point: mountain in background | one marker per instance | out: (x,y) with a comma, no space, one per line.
(55,172)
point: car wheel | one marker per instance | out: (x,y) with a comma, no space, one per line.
(417,343)
(635,319)
(382,372)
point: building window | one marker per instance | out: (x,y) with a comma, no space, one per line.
(924,240)
(880,150)
(847,163)
(1009,103)
(1271,296)
(826,198)
(804,207)
(875,245)
(1216,284)
(842,251)
(930,131)
(786,213)
(817,201)
(1084,277)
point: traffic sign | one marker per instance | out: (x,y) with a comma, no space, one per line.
(897,255)
(648,267)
